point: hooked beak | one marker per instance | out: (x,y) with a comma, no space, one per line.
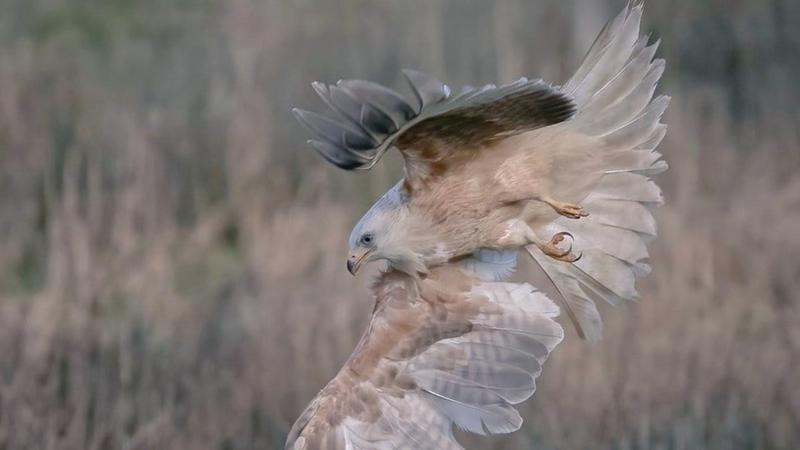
(356,258)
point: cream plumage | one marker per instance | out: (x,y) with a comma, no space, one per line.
(527,165)
(488,173)
(449,349)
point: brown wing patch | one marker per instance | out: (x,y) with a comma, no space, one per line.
(443,141)
(477,125)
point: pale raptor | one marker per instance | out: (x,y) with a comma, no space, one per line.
(488,172)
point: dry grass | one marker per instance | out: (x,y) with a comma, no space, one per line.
(172,269)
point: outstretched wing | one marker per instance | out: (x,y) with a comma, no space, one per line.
(437,134)
(613,89)
(450,349)
(602,159)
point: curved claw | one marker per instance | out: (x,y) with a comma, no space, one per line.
(571,258)
(551,248)
(567,257)
(558,237)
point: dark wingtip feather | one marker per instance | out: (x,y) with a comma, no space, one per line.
(427,89)
(334,132)
(320,89)
(337,156)
(376,121)
(368,115)
(300,116)
(388,101)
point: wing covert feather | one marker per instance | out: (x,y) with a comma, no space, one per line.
(439,133)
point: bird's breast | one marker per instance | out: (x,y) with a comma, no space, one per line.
(448,235)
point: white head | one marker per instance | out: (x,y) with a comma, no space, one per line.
(382,233)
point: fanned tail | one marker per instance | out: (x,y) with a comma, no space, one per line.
(613,89)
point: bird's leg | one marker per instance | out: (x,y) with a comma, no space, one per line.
(516,233)
(565,209)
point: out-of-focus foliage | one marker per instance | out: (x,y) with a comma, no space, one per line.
(172,262)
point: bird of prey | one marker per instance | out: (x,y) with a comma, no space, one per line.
(526,165)
(488,172)
(443,350)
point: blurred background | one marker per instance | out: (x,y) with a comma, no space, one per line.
(172,255)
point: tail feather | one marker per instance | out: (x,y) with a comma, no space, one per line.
(609,53)
(580,308)
(613,89)
(652,142)
(602,115)
(627,186)
(634,161)
(624,82)
(639,130)
(632,216)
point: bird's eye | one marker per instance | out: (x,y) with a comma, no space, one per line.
(367,239)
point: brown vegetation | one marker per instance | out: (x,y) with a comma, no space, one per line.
(172,263)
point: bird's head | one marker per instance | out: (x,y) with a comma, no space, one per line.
(382,233)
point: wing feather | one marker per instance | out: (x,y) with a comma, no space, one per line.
(591,142)
(614,91)
(433,135)
(448,350)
